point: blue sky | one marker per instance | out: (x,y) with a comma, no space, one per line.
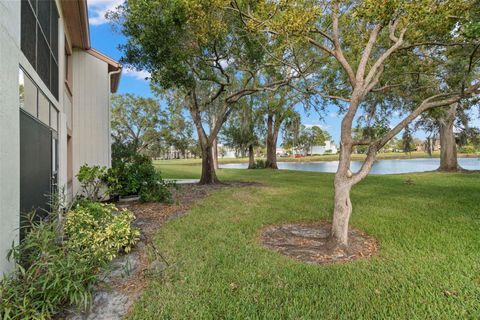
(107,41)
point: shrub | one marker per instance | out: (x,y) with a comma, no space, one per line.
(93,181)
(467,149)
(100,230)
(259,164)
(136,175)
(52,274)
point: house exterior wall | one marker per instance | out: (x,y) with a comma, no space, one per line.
(91,115)
(9,129)
(86,117)
(327,148)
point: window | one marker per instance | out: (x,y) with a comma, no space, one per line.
(28,94)
(43,109)
(35,103)
(53,118)
(39,39)
(68,70)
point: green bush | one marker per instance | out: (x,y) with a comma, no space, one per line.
(467,149)
(100,230)
(50,274)
(93,181)
(136,175)
(259,164)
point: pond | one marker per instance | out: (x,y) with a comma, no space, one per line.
(380,166)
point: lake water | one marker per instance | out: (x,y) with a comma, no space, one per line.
(379,167)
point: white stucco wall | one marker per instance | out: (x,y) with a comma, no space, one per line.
(91,122)
(11,58)
(323,149)
(9,129)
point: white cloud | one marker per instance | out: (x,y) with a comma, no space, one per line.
(139,75)
(98,8)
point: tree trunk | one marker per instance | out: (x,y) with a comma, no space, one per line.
(215,154)
(448,146)
(271,162)
(429,146)
(342,204)
(209,175)
(345,180)
(251,157)
(341,212)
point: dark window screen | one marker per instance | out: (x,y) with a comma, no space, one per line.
(54,78)
(39,39)
(43,60)
(54,32)
(34,4)
(28,31)
(35,165)
(43,16)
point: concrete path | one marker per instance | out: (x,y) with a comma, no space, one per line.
(183,181)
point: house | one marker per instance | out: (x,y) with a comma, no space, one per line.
(281,151)
(328,148)
(54,106)
(224,151)
(430,142)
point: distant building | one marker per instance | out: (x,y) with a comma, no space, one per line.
(422,145)
(281,151)
(328,148)
(226,152)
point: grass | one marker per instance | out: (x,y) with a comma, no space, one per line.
(428,266)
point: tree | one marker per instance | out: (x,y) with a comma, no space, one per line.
(178,131)
(467,137)
(291,132)
(407,140)
(136,122)
(197,51)
(311,136)
(243,130)
(276,107)
(362,38)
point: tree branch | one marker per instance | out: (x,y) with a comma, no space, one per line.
(338,48)
(367,52)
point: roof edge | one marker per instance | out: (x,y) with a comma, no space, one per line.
(75,14)
(113,66)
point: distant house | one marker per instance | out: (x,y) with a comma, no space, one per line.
(226,152)
(328,148)
(422,145)
(55,106)
(281,151)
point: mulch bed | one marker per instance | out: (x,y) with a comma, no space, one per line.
(308,242)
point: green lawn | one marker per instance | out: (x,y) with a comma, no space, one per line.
(428,266)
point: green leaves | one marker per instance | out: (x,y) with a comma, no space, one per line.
(100,231)
(136,175)
(54,275)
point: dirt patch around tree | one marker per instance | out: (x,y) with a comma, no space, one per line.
(308,242)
